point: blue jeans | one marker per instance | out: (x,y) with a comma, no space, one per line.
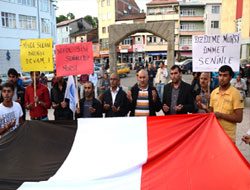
(160,90)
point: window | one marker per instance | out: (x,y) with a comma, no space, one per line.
(187,12)
(11,1)
(45,25)
(215,9)
(128,41)
(27,22)
(109,16)
(67,28)
(8,20)
(44,5)
(31,3)
(161,11)
(186,41)
(103,1)
(238,25)
(104,30)
(108,2)
(94,47)
(214,24)
(187,27)
(103,16)
(155,39)
(150,39)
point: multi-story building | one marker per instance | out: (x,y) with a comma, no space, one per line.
(108,12)
(191,23)
(67,30)
(132,49)
(165,10)
(29,19)
(235,17)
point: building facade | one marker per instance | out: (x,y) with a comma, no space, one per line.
(30,19)
(108,12)
(67,31)
(235,17)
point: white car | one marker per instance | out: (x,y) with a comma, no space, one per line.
(49,75)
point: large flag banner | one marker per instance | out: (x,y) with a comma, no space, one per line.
(74,59)
(37,55)
(71,93)
(187,152)
(210,52)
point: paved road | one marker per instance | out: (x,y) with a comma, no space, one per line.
(130,80)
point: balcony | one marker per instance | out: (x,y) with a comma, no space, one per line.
(192,32)
(192,18)
(162,17)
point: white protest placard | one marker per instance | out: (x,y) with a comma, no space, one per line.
(210,52)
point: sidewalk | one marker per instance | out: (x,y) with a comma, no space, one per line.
(242,128)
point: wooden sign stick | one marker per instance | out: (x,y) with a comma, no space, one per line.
(78,106)
(34,73)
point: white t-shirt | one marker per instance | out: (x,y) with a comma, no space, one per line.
(8,115)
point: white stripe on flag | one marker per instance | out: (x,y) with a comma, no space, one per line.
(107,154)
(71,93)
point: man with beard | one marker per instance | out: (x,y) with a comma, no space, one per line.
(143,97)
(177,96)
(10,111)
(40,103)
(19,91)
(115,102)
(203,93)
(89,106)
(226,102)
(59,103)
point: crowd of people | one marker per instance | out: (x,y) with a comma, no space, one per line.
(154,91)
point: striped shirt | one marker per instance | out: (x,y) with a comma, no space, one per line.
(142,103)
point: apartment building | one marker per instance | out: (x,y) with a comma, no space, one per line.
(24,19)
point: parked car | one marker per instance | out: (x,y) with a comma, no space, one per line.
(139,65)
(156,63)
(125,66)
(49,75)
(4,78)
(121,70)
(187,67)
(183,62)
(25,76)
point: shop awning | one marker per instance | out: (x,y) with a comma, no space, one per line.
(157,53)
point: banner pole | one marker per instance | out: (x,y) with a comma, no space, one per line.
(78,106)
(34,75)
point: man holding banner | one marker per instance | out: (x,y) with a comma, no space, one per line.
(37,100)
(226,102)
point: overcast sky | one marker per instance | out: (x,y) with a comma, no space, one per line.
(81,8)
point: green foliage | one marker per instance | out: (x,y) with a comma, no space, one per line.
(61,18)
(91,20)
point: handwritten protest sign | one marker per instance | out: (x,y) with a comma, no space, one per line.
(37,55)
(210,52)
(74,59)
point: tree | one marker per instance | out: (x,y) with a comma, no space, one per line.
(70,16)
(61,18)
(91,20)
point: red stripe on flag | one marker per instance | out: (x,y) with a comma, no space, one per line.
(192,152)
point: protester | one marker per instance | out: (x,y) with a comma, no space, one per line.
(102,72)
(241,85)
(151,74)
(143,97)
(115,102)
(177,97)
(94,79)
(202,95)
(19,91)
(248,80)
(195,85)
(59,103)
(226,102)
(19,81)
(215,80)
(161,79)
(40,103)
(43,79)
(83,78)
(89,106)
(10,112)
(246,139)
(104,85)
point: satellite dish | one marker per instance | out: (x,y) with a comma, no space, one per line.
(129,7)
(125,12)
